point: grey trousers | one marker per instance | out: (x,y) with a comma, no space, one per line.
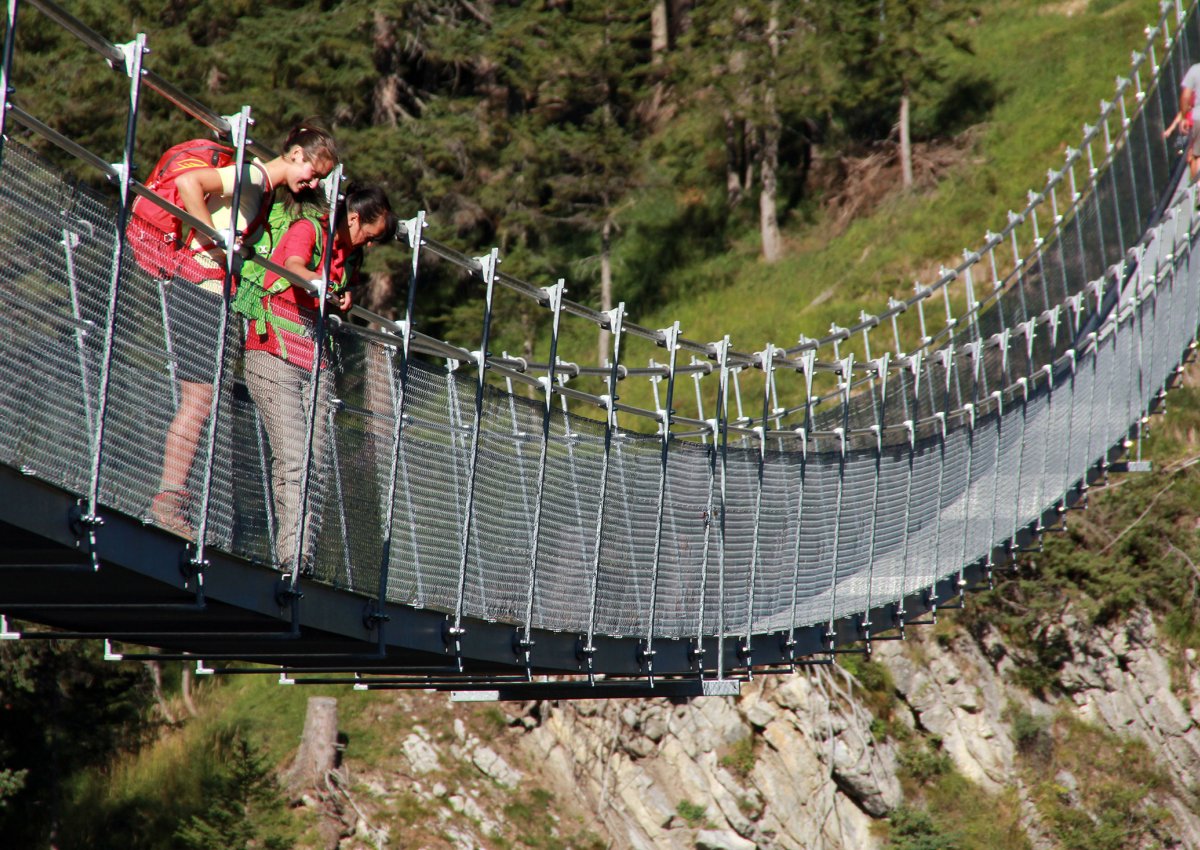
(281,392)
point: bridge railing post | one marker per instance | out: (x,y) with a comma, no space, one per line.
(912,419)
(697,653)
(414,230)
(767,359)
(845,383)
(616,323)
(554,295)
(10,40)
(487,269)
(879,369)
(133,67)
(807,365)
(313,414)
(241,129)
(665,413)
(721,445)
(944,356)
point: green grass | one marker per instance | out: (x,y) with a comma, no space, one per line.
(1112,804)
(943,810)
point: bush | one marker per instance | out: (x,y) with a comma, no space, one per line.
(741,757)
(692,813)
(914,829)
(924,764)
(1031,735)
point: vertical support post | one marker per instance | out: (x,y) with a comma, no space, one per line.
(697,377)
(1088,131)
(10,40)
(671,342)
(1002,343)
(487,269)
(1093,342)
(697,651)
(414,229)
(993,239)
(1048,370)
(240,126)
(879,369)
(1133,178)
(846,367)
(946,356)
(767,356)
(923,293)
(314,396)
(911,423)
(1039,244)
(616,326)
(721,445)
(807,362)
(554,295)
(1028,329)
(1018,261)
(133,67)
(969,285)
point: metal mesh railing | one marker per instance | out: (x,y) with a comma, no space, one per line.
(427,485)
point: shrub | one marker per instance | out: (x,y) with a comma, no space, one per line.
(692,813)
(741,757)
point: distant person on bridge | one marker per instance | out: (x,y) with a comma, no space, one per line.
(1185,120)
(282,355)
(194,308)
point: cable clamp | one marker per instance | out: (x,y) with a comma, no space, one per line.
(129,52)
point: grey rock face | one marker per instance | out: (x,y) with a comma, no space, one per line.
(817,779)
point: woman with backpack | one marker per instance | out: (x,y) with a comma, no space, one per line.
(195,299)
(282,356)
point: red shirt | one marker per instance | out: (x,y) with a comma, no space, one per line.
(294,306)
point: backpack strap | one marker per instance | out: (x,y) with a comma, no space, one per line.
(265,204)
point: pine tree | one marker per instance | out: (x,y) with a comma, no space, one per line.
(238,798)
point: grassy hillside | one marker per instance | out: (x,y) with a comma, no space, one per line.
(1047,66)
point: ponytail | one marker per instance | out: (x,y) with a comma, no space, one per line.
(315,141)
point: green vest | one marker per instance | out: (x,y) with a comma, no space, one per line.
(253,299)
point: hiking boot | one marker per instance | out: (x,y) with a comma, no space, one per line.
(169,510)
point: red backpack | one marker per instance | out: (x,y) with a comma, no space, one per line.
(155,235)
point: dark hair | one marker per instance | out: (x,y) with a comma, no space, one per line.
(316,142)
(308,202)
(371,203)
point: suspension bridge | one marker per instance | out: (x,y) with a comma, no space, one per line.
(505,528)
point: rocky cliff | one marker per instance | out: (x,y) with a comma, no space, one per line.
(929,739)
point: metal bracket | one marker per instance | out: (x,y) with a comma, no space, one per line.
(129,51)
(373,616)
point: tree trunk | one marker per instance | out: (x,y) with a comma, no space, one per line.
(185,691)
(733,160)
(772,243)
(318,746)
(155,671)
(660,37)
(906,169)
(605,284)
